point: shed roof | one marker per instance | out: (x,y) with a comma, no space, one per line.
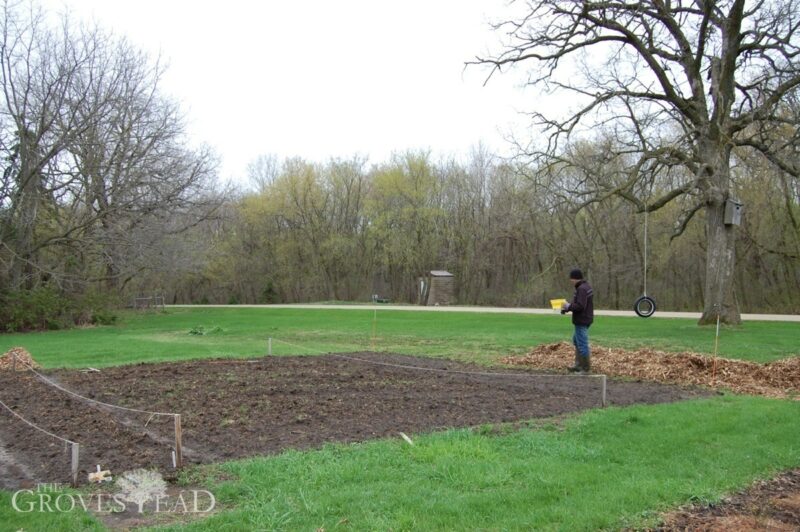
(440,273)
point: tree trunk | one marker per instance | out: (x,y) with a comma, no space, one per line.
(25,208)
(720,260)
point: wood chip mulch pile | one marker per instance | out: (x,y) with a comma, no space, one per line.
(779,379)
(23,358)
(768,505)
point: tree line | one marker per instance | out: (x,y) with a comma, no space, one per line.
(345,230)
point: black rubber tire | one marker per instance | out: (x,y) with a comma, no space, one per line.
(645,307)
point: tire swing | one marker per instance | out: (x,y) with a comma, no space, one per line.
(645,306)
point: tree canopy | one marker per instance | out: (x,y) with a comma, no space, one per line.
(96,169)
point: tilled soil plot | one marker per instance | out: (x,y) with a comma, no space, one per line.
(102,436)
(237,408)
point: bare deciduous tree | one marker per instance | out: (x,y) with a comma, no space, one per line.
(680,86)
(263,171)
(97,171)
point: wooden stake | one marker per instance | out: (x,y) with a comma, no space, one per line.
(178,442)
(13,361)
(269,346)
(76,453)
(716,351)
(374,329)
(603,400)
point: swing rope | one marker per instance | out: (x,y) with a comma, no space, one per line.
(646,216)
(645,306)
(646,230)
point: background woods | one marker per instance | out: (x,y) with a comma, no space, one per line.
(344,231)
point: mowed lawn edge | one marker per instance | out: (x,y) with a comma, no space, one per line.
(604,469)
(197,333)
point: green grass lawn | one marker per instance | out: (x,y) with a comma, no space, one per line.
(602,469)
(243,332)
(34,520)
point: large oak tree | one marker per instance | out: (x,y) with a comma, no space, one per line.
(680,88)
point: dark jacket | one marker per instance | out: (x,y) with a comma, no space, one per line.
(582,306)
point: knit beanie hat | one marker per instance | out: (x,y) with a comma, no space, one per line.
(576,274)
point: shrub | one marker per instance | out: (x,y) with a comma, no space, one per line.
(94,308)
(47,308)
(41,308)
(269,294)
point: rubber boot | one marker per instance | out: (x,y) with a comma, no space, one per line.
(577,367)
(586,364)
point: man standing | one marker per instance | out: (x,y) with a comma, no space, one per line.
(582,308)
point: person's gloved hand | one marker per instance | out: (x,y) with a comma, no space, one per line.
(564,307)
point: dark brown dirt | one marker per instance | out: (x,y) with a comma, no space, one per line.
(237,408)
(771,505)
(103,439)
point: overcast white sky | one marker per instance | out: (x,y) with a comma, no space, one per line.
(321,79)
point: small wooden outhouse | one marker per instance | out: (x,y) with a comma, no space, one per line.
(437,288)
